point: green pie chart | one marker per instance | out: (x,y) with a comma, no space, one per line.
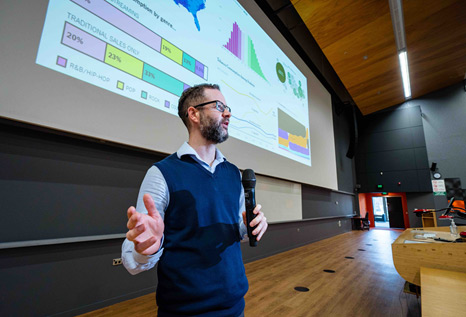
(280,72)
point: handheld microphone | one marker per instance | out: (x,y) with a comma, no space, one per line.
(249,182)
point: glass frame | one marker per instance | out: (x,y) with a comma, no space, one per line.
(218,105)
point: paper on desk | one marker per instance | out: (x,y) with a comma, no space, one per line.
(413,241)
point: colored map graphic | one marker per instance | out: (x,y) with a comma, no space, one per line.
(296,87)
(193,6)
(292,135)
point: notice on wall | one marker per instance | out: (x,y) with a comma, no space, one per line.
(438,187)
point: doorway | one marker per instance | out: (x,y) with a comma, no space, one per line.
(381,216)
(395,211)
(388,212)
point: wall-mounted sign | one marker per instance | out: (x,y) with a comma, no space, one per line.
(438,186)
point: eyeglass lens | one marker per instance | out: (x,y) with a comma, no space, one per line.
(221,107)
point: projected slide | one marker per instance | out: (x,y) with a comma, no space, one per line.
(152,51)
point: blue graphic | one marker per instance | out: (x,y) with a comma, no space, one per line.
(193,6)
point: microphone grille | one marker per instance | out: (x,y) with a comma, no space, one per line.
(249,178)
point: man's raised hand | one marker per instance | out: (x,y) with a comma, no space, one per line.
(145,231)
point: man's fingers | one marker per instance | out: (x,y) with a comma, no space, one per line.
(260,226)
(131,235)
(150,206)
(144,245)
(260,222)
(133,221)
(257,219)
(131,211)
(262,231)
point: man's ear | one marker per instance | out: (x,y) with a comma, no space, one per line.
(193,115)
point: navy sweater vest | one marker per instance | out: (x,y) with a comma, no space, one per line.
(201,271)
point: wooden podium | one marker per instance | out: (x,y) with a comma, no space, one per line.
(412,250)
(429,220)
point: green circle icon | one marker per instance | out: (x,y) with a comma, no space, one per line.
(281,72)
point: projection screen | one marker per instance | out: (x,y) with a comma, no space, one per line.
(114,70)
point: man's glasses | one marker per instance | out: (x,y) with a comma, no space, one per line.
(220,106)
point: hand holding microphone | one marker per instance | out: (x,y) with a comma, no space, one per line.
(256,223)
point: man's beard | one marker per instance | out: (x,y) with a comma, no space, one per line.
(213,131)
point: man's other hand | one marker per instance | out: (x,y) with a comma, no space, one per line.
(260,221)
(145,231)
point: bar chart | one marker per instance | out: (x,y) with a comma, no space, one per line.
(91,46)
(119,20)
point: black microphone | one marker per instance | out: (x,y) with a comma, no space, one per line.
(249,182)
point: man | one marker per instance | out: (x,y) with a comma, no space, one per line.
(190,218)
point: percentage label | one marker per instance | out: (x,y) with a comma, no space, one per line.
(149,74)
(75,38)
(114,57)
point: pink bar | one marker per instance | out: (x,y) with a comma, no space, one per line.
(239,46)
(233,36)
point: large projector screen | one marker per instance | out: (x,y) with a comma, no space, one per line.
(114,70)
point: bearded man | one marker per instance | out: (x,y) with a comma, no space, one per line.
(190,218)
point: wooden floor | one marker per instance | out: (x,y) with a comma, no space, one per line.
(366,285)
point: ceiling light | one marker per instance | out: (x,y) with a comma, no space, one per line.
(396,12)
(403,57)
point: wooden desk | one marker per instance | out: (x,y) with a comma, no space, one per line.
(409,256)
(356,223)
(443,293)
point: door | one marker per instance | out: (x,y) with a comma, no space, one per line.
(395,212)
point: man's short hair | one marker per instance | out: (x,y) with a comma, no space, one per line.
(190,97)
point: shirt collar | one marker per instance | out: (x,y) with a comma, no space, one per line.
(186,149)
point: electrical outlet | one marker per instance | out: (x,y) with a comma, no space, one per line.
(117,261)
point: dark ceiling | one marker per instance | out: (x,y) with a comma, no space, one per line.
(352,44)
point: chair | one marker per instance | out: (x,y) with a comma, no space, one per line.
(361,223)
(365,222)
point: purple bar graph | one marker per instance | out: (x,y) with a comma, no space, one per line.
(234,43)
(112,15)
(125,23)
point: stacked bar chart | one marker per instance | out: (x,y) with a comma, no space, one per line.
(86,43)
(125,23)
(234,43)
(292,135)
(235,46)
